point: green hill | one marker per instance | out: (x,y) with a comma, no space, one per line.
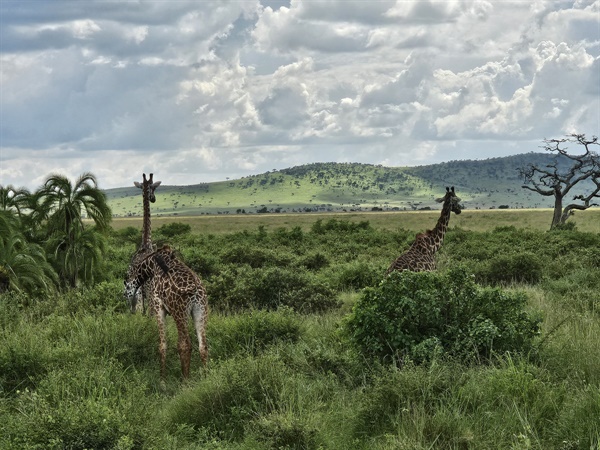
(336,187)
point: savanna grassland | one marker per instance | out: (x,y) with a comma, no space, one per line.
(309,349)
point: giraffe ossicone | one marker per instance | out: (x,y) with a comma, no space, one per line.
(420,257)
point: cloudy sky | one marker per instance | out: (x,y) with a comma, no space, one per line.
(198,91)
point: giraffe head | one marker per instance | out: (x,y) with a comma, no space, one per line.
(148,187)
(451,200)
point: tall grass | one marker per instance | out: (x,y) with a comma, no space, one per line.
(78,371)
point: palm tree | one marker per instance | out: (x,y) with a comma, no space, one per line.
(26,205)
(64,205)
(23,265)
(80,260)
(13,199)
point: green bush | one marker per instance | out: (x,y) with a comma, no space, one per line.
(522,267)
(356,275)
(423,315)
(315,261)
(338,226)
(288,238)
(255,256)
(173,229)
(202,262)
(241,287)
(129,234)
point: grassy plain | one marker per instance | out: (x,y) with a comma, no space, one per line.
(473,220)
(77,370)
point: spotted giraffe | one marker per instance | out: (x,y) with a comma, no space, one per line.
(139,303)
(178,291)
(421,254)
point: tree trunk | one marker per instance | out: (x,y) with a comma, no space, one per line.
(557,216)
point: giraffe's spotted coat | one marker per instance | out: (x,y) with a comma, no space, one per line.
(176,290)
(420,256)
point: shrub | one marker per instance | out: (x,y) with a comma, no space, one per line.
(340,226)
(567,226)
(202,262)
(170,230)
(523,267)
(315,261)
(242,287)
(254,256)
(129,234)
(356,275)
(288,238)
(428,314)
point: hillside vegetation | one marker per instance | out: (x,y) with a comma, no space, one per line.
(344,187)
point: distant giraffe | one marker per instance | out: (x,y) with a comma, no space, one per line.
(178,291)
(421,254)
(140,302)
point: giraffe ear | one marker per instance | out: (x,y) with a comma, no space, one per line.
(157,184)
(137,184)
(439,200)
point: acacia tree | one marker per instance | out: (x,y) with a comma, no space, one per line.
(567,170)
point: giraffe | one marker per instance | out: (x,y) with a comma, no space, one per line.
(140,301)
(421,254)
(176,290)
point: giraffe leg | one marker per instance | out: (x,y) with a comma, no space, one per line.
(162,336)
(199,318)
(184,346)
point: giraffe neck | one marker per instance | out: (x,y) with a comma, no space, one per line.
(438,233)
(146,232)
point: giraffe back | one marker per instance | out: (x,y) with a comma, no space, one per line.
(421,255)
(418,258)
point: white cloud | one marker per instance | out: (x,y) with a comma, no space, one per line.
(204,90)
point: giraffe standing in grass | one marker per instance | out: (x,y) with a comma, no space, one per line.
(139,303)
(421,254)
(176,290)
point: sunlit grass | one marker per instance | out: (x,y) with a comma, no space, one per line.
(474,220)
(78,371)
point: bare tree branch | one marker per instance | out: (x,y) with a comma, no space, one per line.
(564,173)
